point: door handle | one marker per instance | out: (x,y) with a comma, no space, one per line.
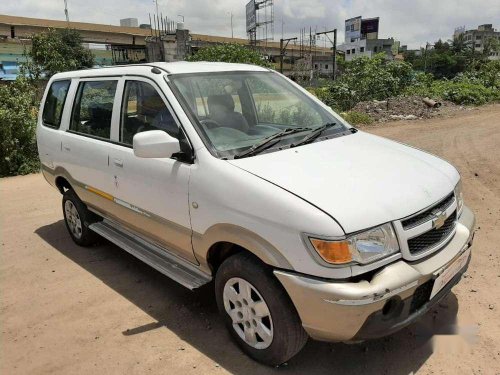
(67,148)
(118,162)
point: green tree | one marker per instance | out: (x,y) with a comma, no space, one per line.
(448,59)
(57,50)
(231,53)
(491,45)
(18,114)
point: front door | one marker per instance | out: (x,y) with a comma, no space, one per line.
(151,194)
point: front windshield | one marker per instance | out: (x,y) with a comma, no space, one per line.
(237,110)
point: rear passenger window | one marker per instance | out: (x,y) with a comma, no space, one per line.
(54,104)
(143,109)
(93,108)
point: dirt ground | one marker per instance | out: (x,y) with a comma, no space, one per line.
(69,310)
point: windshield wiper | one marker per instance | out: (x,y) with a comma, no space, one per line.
(314,134)
(267,142)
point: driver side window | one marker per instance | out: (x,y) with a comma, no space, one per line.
(143,109)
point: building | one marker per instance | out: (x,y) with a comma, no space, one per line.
(358,28)
(323,65)
(362,39)
(129,22)
(368,48)
(476,39)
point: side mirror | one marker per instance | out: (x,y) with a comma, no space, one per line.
(155,144)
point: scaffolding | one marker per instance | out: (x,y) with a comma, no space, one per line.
(262,29)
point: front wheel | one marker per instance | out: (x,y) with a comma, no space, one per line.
(257,310)
(77,218)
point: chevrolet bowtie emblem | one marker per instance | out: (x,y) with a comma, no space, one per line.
(439,220)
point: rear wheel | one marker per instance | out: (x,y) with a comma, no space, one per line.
(257,310)
(77,218)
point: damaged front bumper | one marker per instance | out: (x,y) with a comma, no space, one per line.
(394,297)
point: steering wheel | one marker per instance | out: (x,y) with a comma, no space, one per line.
(210,124)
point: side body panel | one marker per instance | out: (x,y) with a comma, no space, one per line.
(152,196)
(149,196)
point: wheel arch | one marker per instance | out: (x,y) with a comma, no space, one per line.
(62,184)
(223,240)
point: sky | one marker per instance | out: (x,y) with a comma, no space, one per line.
(412,22)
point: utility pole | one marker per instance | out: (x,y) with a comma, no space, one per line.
(334,49)
(283,49)
(232,30)
(425,57)
(66,11)
(282,27)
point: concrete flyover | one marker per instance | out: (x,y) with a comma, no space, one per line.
(12,27)
(129,42)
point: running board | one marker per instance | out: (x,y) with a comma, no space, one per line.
(178,269)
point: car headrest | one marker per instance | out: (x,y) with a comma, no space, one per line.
(216,102)
(102,111)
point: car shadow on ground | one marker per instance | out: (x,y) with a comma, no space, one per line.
(193,317)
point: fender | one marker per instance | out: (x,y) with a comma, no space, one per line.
(240,236)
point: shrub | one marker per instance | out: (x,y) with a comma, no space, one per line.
(367,79)
(486,74)
(469,93)
(357,118)
(18,114)
(457,91)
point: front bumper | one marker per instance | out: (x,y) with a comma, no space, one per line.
(394,297)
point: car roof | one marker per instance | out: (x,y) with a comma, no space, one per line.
(180,67)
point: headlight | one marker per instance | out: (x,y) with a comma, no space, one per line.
(364,247)
(459,196)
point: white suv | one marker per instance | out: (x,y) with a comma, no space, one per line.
(233,173)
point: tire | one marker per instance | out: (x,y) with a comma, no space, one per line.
(77,219)
(272,339)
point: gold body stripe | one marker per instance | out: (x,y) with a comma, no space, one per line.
(99,192)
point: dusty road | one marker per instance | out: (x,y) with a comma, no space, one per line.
(69,310)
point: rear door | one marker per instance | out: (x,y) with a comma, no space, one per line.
(85,144)
(48,134)
(152,194)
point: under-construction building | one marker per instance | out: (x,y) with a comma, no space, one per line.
(362,39)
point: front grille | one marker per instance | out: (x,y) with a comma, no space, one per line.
(427,214)
(429,239)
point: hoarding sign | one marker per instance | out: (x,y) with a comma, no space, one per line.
(251,15)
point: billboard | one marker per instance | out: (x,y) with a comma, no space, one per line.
(251,15)
(352,29)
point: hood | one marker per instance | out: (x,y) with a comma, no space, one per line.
(360,179)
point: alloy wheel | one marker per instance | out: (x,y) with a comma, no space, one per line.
(249,313)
